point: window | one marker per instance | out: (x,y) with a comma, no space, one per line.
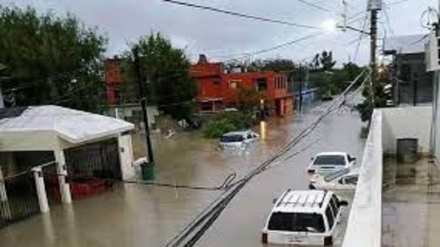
(261,84)
(231,138)
(330,160)
(330,217)
(335,202)
(351,180)
(334,207)
(296,222)
(233,84)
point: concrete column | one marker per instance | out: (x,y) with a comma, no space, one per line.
(126,156)
(62,173)
(6,212)
(41,189)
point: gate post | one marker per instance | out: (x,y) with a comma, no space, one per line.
(41,189)
(6,213)
(62,173)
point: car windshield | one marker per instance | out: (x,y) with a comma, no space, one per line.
(231,138)
(336,175)
(329,160)
(296,222)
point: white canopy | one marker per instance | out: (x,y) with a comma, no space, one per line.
(70,125)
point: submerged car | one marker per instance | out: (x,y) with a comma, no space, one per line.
(307,217)
(329,162)
(343,180)
(238,139)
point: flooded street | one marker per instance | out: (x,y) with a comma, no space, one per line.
(142,215)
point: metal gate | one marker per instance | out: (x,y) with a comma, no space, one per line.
(93,168)
(18,198)
(51,182)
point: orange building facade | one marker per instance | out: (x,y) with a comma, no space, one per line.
(218,90)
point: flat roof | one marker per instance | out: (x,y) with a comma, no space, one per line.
(71,125)
(409,44)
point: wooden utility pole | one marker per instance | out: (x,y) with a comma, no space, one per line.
(373,47)
(143,102)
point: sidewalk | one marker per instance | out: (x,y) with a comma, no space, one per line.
(411,204)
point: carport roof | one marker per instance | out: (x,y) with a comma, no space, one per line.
(71,125)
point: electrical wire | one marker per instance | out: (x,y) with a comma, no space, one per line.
(253,17)
(361,36)
(213,211)
(387,18)
(316,6)
(276,47)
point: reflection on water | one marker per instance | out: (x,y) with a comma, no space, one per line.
(141,215)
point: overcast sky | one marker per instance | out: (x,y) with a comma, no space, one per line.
(223,37)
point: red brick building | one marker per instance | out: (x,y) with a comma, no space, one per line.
(113,79)
(218,90)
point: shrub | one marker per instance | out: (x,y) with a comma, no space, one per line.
(226,122)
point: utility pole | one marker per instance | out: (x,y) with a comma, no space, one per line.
(148,168)
(373,38)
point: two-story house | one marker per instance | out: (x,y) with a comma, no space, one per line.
(218,89)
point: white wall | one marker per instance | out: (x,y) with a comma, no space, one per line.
(406,122)
(364,228)
(38,140)
(126,156)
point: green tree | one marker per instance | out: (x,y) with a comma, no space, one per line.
(51,60)
(326,61)
(165,73)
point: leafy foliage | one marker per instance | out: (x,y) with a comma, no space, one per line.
(226,122)
(249,99)
(165,74)
(51,60)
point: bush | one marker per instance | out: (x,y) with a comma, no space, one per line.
(226,122)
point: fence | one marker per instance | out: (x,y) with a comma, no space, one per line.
(93,168)
(18,198)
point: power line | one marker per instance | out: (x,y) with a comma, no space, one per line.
(361,36)
(196,228)
(248,54)
(316,6)
(253,17)
(387,19)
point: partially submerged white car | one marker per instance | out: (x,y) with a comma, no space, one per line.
(329,162)
(238,139)
(343,180)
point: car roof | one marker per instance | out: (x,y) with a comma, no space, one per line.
(332,153)
(237,133)
(303,201)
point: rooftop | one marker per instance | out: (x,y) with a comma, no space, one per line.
(410,44)
(301,201)
(71,125)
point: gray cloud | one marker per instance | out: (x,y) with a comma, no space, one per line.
(219,35)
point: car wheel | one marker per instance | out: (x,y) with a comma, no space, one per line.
(312,187)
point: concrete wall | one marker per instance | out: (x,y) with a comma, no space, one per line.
(38,140)
(364,228)
(435,131)
(126,156)
(406,122)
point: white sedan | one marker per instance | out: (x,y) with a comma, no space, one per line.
(342,180)
(238,139)
(329,162)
